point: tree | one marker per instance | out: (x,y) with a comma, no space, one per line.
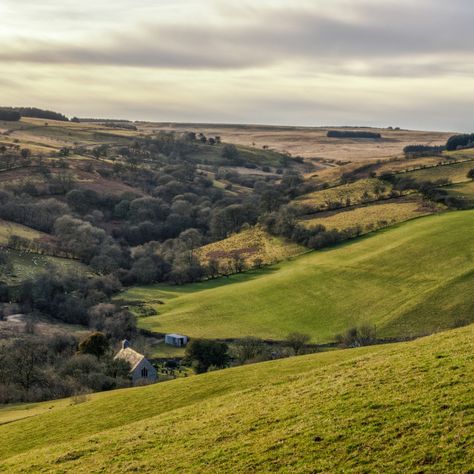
(95,344)
(230,152)
(470,173)
(203,354)
(297,341)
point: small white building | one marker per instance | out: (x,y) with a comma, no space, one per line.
(177,340)
(141,369)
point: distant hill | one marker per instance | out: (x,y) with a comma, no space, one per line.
(405,407)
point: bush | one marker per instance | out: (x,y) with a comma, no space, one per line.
(95,344)
(297,341)
(203,354)
(357,336)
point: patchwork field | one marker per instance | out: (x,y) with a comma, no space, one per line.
(375,216)
(45,135)
(379,279)
(251,245)
(456,172)
(405,407)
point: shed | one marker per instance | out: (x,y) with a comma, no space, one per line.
(177,340)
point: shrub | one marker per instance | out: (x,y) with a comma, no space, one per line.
(297,341)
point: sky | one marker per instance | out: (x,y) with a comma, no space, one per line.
(407,63)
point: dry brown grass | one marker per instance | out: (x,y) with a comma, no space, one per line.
(312,143)
(252,245)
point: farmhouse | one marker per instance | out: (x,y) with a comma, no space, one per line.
(141,369)
(177,340)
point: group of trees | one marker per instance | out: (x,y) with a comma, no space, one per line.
(204,355)
(36,367)
(422,150)
(15,113)
(353,134)
(9,115)
(465,140)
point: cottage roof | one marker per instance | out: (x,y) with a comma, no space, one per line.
(131,356)
(177,336)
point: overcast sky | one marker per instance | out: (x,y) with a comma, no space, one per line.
(407,63)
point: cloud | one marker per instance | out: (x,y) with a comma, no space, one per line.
(401,62)
(380,37)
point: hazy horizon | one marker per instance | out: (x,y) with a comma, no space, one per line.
(402,63)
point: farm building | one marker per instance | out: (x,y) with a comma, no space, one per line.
(177,340)
(141,369)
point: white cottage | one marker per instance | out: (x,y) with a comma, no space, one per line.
(141,369)
(177,340)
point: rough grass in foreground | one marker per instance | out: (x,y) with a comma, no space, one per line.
(405,407)
(378,279)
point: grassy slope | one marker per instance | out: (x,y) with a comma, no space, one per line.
(251,244)
(395,408)
(374,216)
(7,229)
(355,192)
(26,265)
(456,173)
(379,279)
(464,191)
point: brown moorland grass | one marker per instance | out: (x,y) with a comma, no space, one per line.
(311,142)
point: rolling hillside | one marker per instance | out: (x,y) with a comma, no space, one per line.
(388,279)
(376,215)
(250,244)
(403,407)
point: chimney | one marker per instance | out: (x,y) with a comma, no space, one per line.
(125,344)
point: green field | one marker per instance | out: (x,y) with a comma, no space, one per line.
(386,279)
(403,407)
